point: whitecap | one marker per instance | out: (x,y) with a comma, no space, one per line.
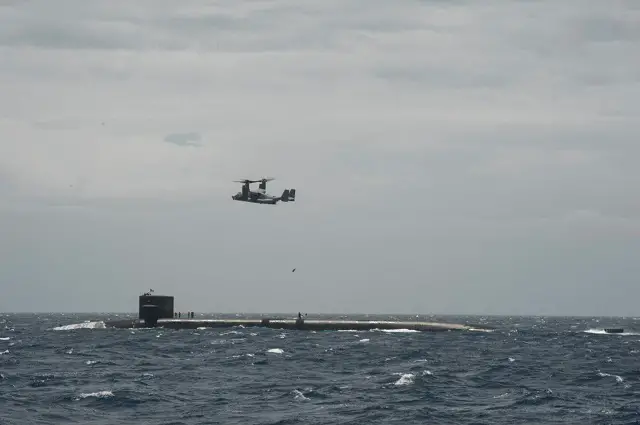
(405,379)
(596,331)
(275,350)
(395,330)
(85,325)
(297,394)
(618,378)
(99,394)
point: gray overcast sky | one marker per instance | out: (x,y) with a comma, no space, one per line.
(449,157)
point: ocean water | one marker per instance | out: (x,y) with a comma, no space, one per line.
(61,369)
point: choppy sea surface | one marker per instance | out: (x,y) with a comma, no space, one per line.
(58,369)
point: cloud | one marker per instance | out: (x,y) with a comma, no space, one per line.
(184,139)
(394,120)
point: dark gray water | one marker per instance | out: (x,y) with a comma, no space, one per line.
(530,370)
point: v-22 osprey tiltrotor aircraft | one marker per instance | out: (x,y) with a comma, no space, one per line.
(261,196)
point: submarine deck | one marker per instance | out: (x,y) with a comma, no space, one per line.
(307,324)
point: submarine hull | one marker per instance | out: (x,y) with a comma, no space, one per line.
(157,311)
(310,325)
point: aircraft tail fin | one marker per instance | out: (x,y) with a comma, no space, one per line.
(292,195)
(285,196)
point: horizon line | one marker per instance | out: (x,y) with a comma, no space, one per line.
(294,314)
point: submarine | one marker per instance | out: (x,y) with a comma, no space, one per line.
(157,311)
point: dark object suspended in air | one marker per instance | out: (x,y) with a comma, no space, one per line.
(261,196)
(293,270)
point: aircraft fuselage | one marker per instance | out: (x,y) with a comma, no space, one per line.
(261,197)
(256,198)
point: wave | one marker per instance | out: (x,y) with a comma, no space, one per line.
(597,331)
(84,325)
(389,331)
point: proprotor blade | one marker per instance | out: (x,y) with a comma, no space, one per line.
(246,181)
